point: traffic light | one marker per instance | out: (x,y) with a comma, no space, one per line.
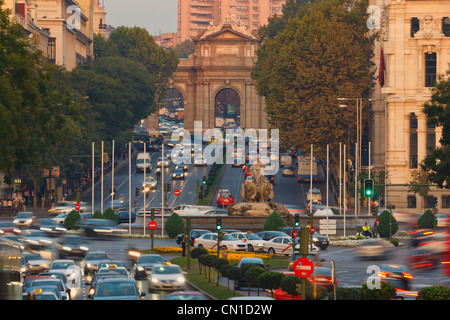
(169,187)
(137,192)
(368,187)
(204,180)
(218,223)
(296,221)
(435,202)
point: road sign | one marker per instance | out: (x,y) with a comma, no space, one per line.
(303,267)
(77,206)
(327,226)
(294,233)
(176,192)
(152,225)
(312,229)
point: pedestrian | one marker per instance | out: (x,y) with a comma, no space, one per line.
(183,246)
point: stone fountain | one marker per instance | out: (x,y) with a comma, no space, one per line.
(257,196)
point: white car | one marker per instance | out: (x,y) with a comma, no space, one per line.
(186,209)
(166,277)
(148,184)
(24,219)
(253,241)
(280,245)
(67,206)
(70,270)
(60,218)
(115,269)
(37,263)
(209,241)
(199,160)
(162,161)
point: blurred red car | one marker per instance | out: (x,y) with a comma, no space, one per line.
(225,199)
(423,259)
(7,227)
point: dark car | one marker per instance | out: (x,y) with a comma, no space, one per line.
(49,226)
(267,235)
(195,233)
(101,228)
(145,264)
(398,275)
(92,260)
(178,174)
(247,262)
(71,245)
(116,289)
(123,217)
(100,276)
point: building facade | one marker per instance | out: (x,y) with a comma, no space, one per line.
(194,16)
(215,83)
(414,48)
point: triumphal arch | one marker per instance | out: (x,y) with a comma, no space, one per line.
(215,83)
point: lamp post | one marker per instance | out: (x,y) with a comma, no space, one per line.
(358,142)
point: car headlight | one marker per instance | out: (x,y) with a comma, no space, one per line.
(154,280)
(180,279)
(29,220)
(67,248)
(84,248)
(315,239)
(140,269)
(15,221)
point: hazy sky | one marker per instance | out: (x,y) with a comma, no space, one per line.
(154,15)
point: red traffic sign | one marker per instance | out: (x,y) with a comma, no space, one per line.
(77,206)
(294,233)
(312,229)
(152,225)
(303,267)
(176,192)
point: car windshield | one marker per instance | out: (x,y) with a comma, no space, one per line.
(252,236)
(74,240)
(48,222)
(116,289)
(229,237)
(97,256)
(167,270)
(24,214)
(34,256)
(151,259)
(62,265)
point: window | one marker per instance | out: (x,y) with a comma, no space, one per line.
(445,202)
(413,141)
(412,202)
(430,69)
(429,201)
(415,26)
(431,139)
(446,26)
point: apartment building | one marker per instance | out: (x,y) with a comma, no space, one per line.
(194,16)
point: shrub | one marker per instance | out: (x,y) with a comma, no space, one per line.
(110,214)
(434,293)
(289,285)
(273,222)
(97,215)
(72,219)
(427,220)
(386,292)
(270,280)
(196,252)
(174,225)
(346,294)
(387,224)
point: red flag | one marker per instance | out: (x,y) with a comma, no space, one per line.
(381,69)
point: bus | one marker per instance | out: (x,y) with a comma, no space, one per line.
(10,270)
(304,169)
(153,140)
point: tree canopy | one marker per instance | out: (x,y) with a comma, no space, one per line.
(320,52)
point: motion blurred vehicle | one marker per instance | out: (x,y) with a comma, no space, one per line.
(59,219)
(67,206)
(116,289)
(24,219)
(101,228)
(72,246)
(166,277)
(179,174)
(36,239)
(322,276)
(69,269)
(186,295)
(8,227)
(36,262)
(124,217)
(423,259)
(288,171)
(49,226)
(372,248)
(217,212)
(443,220)
(398,275)
(144,266)
(195,233)
(92,259)
(254,242)
(209,241)
(118,204)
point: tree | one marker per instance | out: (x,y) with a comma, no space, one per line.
(174,225)
(387,224)
(289,285)
(437,110)
(427,220)
(273,222)
(419,184)
(323,53)
(270,280)
(184,49)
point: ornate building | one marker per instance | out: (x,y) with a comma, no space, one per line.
(215,82)
(414,48)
